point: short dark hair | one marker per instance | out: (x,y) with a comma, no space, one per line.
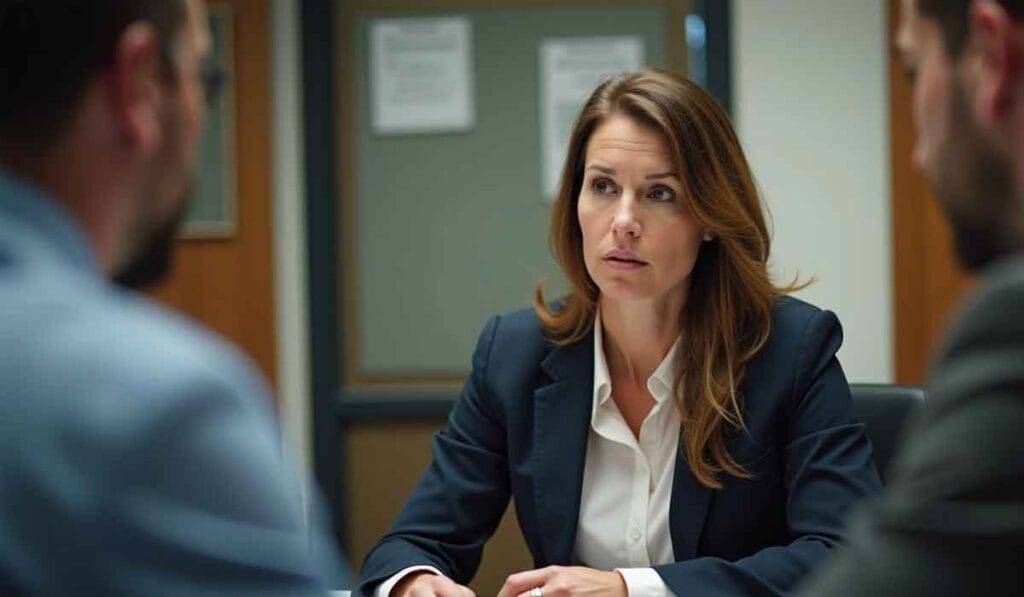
(51,49)
(952,18)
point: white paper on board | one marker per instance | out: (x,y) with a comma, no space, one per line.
(421,75)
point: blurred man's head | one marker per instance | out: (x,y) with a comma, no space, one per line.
(966,60)
(102,105)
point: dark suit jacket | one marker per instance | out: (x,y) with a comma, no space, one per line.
(520,429)
(952,520)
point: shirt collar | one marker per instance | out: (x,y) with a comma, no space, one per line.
(28,206)
(659,384)
(602,379)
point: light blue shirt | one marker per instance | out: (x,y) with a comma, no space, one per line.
(139,454)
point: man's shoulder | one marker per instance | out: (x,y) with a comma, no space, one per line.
(167,346)
(100,381)
(1000,291)
(965,444)
(86,351)
(990,318)
(131,337)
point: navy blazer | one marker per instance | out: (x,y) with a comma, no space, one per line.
(520,429)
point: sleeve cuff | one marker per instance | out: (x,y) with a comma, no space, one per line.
(644,582)
(384,588)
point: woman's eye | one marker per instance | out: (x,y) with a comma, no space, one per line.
(662,194)
(602,186)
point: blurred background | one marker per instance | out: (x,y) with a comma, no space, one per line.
(376,184)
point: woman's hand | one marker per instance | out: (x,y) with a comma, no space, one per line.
(562,581)
(428,584)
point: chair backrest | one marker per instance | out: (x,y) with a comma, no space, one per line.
(884,408)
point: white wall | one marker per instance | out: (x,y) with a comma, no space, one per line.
(810,97)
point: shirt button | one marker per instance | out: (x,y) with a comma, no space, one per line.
(635,534)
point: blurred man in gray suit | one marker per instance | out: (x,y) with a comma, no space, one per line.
(139,455)
(952,519)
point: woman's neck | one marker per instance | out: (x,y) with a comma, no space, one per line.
(637,335)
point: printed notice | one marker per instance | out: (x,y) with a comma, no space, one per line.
(421,77)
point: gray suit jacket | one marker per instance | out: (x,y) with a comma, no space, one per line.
(138,454)
(952,521)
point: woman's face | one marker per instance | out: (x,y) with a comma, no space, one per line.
(640,241)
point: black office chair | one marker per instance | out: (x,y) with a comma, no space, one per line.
(884,409)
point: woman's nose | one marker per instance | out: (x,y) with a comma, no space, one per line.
(626,222)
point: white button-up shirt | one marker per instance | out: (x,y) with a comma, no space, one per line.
(627,484)
(627,481)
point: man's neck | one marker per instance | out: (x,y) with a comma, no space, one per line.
(80,188)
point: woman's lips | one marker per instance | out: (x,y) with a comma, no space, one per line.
(624,264)
(620,259)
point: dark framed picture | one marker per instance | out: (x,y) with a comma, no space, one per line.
(213,212)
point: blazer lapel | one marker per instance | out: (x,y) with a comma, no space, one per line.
(689,508)
(562,411)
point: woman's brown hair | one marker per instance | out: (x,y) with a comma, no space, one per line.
(728,314)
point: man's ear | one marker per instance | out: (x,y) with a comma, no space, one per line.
(998,60)
(136,87)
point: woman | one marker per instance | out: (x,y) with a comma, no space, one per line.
(676,424)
